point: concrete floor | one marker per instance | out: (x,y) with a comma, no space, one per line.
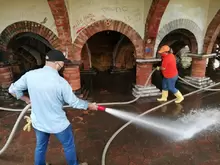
(133,146)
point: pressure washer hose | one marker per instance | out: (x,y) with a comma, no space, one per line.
(119,103)
(27,108)
(14,129)
(146,112)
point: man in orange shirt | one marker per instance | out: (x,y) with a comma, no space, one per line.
(170,74)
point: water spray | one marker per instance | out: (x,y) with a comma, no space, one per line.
(104,109)
(151,110)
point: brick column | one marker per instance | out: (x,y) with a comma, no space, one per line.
(61,17)
(198,67)
(6,78)
(152,24)
(198,70)
(143,71)
(72,74)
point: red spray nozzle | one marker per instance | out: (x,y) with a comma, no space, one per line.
(101,108)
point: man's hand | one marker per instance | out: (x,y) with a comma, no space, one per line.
(26,99)
(157,68)
(93,106)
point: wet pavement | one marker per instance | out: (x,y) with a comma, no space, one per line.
(133,146)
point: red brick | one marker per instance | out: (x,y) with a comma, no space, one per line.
(115,26)
(6,76)
(72,75)
(198,67)
(142,73)
(26,26)
(212,33)
(61,17)
(156,12)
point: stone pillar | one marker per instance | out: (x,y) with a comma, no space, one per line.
(6,78)
(143,71)
(198,70)
(72,74)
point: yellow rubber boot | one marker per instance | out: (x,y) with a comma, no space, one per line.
(164,96)
(179,97)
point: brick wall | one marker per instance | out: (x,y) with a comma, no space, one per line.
(212,33)
(27,26)
(6,78)
(61,17)
(103,25)
(72,75)
(198,67)
(142,73)
(152,23)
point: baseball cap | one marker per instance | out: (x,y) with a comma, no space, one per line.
(56,55)
(164,48)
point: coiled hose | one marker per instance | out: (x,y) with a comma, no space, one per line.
(27,109)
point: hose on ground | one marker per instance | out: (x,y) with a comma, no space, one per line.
(146,112)
(14,129)
(119,103)
(27,109)
(67,106)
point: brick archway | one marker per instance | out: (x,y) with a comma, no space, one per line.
(27,26)
(212,33)
(181,24)
(183,35)
(61,19)
(152,24)
(104,25)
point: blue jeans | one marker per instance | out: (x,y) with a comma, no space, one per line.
(67,140)
(169,84)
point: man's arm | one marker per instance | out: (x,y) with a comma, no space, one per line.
(16,89)
(161,68)
(164,64)
(71,99)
